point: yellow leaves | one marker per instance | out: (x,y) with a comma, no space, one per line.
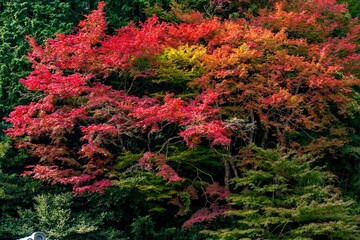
(180,65)
(184,53)
(244,52)
(281,36)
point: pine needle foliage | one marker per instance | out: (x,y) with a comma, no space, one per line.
(287,197)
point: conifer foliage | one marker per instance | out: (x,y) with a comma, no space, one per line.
(284,197)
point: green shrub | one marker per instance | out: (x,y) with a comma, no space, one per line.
(287,197)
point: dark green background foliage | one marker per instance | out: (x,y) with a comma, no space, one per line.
(354,7)
(116,214)
(17,20)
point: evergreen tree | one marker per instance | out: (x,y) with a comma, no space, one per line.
(287,197)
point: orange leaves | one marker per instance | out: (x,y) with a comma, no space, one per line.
(225,57)
(278,79)
(315,21)
(282,99)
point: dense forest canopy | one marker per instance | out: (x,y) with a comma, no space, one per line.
(197,120)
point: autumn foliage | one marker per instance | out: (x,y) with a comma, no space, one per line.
(80,124)
(220,84)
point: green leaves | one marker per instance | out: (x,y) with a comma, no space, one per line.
(287,197)
(52,214)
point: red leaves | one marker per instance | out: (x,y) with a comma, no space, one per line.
(198,117)
(119,114)
(123,51)
(206,215)
(167,173)
(215,131)
(215,193)
(55,83)
(96,133)
(54,175)
(192,33)
(150,160)
(97,186)
(93,27)
(91,51)
(261,71)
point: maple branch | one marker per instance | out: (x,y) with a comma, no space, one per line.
(166,144)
